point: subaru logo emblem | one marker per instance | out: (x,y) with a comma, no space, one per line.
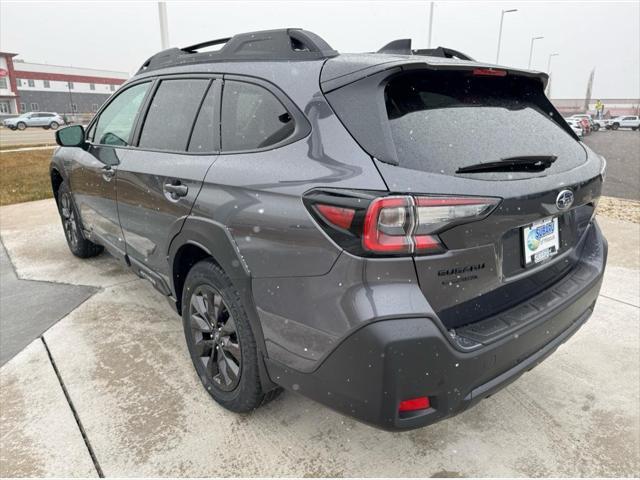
(564,199)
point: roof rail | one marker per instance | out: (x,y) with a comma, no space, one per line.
(287,44)
(403,47)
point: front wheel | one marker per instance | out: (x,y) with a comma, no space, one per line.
(615,126)
(220,340)
(54,125)
(78,244)
(21,125)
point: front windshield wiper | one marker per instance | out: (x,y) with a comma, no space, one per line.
(527,163)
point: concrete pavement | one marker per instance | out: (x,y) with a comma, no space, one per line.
(122,359)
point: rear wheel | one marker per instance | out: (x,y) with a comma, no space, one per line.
(220,340)
(21,125)
(78,244)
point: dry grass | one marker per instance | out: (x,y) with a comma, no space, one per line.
(628,210)
(24,176)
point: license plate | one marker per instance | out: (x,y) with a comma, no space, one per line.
(541,240)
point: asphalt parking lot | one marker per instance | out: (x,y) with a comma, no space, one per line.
(109,389)
(29,136)
(621,148)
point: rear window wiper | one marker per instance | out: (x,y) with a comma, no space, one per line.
(528,163)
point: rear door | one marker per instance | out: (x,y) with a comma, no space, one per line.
(158,182)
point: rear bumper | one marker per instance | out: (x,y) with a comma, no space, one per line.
(371,371)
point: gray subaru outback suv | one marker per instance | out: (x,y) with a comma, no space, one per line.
(396,235)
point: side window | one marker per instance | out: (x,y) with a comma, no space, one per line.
(172,113)
(117,120)
(252,117)
(206,131)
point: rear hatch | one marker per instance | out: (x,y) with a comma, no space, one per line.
(469,130)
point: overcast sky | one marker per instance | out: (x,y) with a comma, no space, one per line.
(121,35)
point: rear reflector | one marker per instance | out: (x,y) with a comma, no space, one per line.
(420,403)
(489,72)
(337,216)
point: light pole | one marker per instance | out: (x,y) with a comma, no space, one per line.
(549,61)
(164,29)
(533,39)
(500,30)
(549,72)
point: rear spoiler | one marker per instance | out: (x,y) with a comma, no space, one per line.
(346,75)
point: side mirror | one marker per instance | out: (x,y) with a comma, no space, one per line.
(72,136)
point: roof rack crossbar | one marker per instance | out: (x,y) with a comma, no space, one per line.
(403,47)
(288,44)
(210,43)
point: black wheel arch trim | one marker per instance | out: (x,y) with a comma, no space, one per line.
(215,240)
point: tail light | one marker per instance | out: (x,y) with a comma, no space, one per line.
(394,225)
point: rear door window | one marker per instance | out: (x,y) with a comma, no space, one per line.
(172,113)
(441,122)
(252,118)
(206,131)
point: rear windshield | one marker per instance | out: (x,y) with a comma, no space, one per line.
(441,121)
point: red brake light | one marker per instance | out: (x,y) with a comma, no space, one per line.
(420,403)
(410,224)
(386,225)
(489,72)
(338,216)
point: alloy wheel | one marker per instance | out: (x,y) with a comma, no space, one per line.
(215,337)
(69,221)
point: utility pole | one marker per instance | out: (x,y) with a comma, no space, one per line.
(533,39)
(551,55)
(430,24)
(164,29)
(500,30)
(587,98)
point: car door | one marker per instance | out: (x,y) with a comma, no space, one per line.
(158,182)
(93,169)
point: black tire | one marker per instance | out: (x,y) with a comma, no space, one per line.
(21,126)
(54,125)
(596,127)
(615,126)
(220,340)
(78,244)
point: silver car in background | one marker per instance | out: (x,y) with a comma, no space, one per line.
(46,120)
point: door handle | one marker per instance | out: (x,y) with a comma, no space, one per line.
(108,173)
(176,190)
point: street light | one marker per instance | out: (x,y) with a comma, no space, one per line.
(549,61)
(548,92)
(500,30)
(533,39)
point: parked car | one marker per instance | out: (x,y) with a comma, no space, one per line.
(46,120)
(628,121)
(576,126)
(319,222)
(593,126)
(601,122)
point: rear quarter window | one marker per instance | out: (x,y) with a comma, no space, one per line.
(252,118)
